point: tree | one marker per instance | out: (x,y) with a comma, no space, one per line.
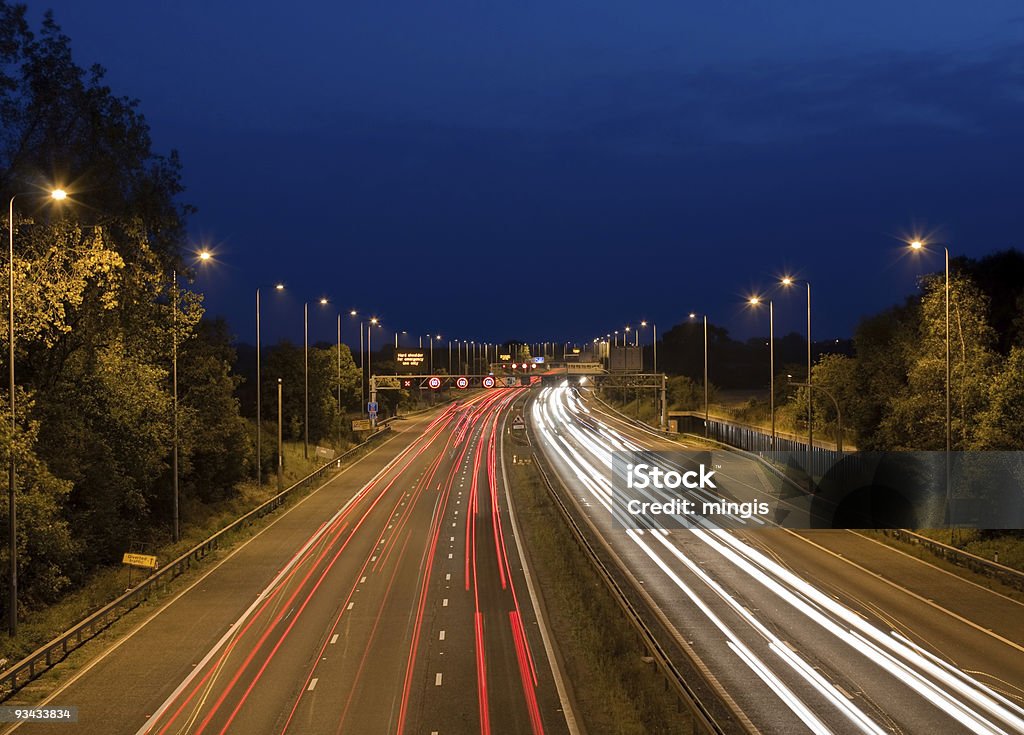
(1001,424)
(916,416)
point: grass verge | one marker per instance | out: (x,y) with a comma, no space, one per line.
(944,536)
(617,692)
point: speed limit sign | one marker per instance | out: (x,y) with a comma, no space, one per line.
(488,381)
(434,382)
(462,382)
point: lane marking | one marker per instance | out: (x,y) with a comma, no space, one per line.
(444,602)
(448,577)
(334,639)
(437,679)
(441,636)
(916,596)
(350,605)
(362,581)
(312,685)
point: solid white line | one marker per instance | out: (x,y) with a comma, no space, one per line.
(919,598)
(312,685)
(437,679)
(236,625)
(556,672)
(334,639)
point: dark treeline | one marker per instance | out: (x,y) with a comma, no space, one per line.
(889,381)
(97,313)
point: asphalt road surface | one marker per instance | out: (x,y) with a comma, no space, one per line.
(390,601)
(820,631)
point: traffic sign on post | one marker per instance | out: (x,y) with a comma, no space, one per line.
(462,382)
(488,381)
(434,382)
(371,407)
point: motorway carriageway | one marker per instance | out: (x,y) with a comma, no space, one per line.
(790,634)
(405,612)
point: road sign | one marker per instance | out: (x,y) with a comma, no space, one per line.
(361,425)
(371,407)
(488,381)
(511,381)
(518,424)
(462,382)
(434,382)
(139,560)
(410,361)
(407,383)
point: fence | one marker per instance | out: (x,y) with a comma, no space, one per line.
(759,442)
(16,676)
(993,570)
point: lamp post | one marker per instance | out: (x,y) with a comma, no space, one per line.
(305,362)
(203,257)
(259,391)
(756,301)
(707,426)
(369,351)
(919,245)
(280,441)
(57,195)
(788,281)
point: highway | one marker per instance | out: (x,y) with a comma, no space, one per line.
(399,607)
(816,631)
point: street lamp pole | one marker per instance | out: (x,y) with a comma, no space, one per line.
(259,392)
(305,379)
(12,517)
(707,423)
(755,301)
(787,281)
(280,441)
(174,393)
(919,245)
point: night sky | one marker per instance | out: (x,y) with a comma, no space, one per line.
(553,171)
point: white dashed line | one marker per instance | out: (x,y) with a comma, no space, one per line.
(444,602)
(350,605)
(437,679)
(441,636)
(334,639)
(312,685)
(362,581)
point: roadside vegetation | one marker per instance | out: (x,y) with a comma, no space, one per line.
(622,694)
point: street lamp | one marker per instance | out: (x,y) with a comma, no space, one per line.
(203,257)
(756,301)
(707,425)
(305,377)
(789,281)
(57,195)
(919,245)
(259,391)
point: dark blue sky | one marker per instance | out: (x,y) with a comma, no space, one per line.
(552,170)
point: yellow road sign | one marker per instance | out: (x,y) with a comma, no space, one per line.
(139,560)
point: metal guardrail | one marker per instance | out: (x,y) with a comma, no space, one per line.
(1004,574)
(43,658)
(703,718)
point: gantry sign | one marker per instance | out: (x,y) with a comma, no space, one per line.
(437,382)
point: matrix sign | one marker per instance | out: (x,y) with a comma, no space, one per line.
(411,361)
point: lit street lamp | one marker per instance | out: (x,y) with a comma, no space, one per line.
(203,257)
(693,315)
(756,301)
(788,281)
(57,195)
(259,391)
(919,245)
